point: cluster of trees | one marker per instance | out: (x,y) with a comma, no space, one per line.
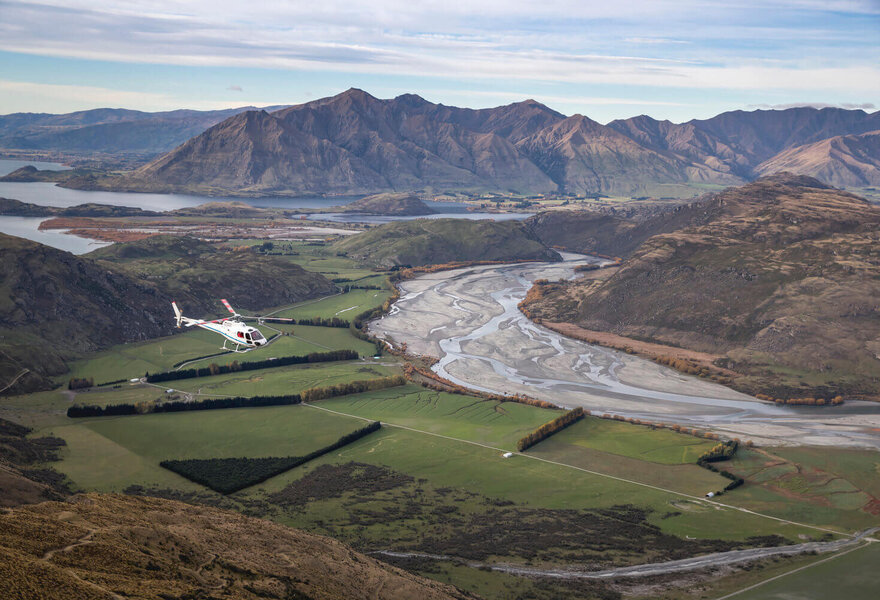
(275,249)
(113,383)
(353,387)
(373,313)
(587,267)
(235,366)
(323,322)
(78,383)
(808,401)
(548,429)
(228,475)
(719,452)
(533,295)
(110,410)
(693,367)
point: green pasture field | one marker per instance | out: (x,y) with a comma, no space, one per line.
(653,445)
(344,306)
(111,453)
(568,447)
(281,381)
(830,487)
(629,449)
(128,361)
(319,259)
(465,417)
(445,463)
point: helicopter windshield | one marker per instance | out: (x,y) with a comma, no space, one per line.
(257,335)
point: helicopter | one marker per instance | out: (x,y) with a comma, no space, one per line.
(233,329)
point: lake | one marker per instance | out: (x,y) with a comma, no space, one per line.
(49,194)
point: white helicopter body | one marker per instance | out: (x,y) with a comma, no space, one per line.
(233,329)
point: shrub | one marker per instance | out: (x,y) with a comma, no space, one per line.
(78,383)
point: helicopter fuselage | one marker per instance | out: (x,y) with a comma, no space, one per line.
(236,332)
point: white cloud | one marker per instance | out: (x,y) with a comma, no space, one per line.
(846,105)
(25,96)
(751,45)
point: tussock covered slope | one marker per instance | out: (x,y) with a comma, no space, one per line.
(782,280)
(111,546)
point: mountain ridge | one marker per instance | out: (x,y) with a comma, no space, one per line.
(354,143)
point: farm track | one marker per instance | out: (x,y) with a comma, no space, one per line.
(706,561)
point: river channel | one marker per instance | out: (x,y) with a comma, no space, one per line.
(468,319)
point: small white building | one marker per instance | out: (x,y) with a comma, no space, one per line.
(710,495)
(507,455)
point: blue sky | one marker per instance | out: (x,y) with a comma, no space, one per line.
(669,59)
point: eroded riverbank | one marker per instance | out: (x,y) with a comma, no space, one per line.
(468,318)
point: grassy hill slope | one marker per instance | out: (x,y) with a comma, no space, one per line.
(781,280)
(436,241)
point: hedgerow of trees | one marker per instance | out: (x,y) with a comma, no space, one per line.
(411,371)
(342,389)
(548,429)
(228,475)
(353,387)
(324,322)
(721,452)
(806,401)
(214,369)
(78,411)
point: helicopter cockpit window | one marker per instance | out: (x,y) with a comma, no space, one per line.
(257,335)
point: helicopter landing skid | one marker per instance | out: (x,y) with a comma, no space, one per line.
(237,348)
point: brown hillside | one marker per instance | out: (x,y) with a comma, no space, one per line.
(783,280)
(112,546)
(847,160)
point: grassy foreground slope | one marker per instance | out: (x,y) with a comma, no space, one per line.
(101,546)
(780,284)
(435,241)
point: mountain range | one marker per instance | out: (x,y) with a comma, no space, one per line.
(109,130)
(354,143)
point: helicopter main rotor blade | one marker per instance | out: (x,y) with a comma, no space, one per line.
(229,307)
